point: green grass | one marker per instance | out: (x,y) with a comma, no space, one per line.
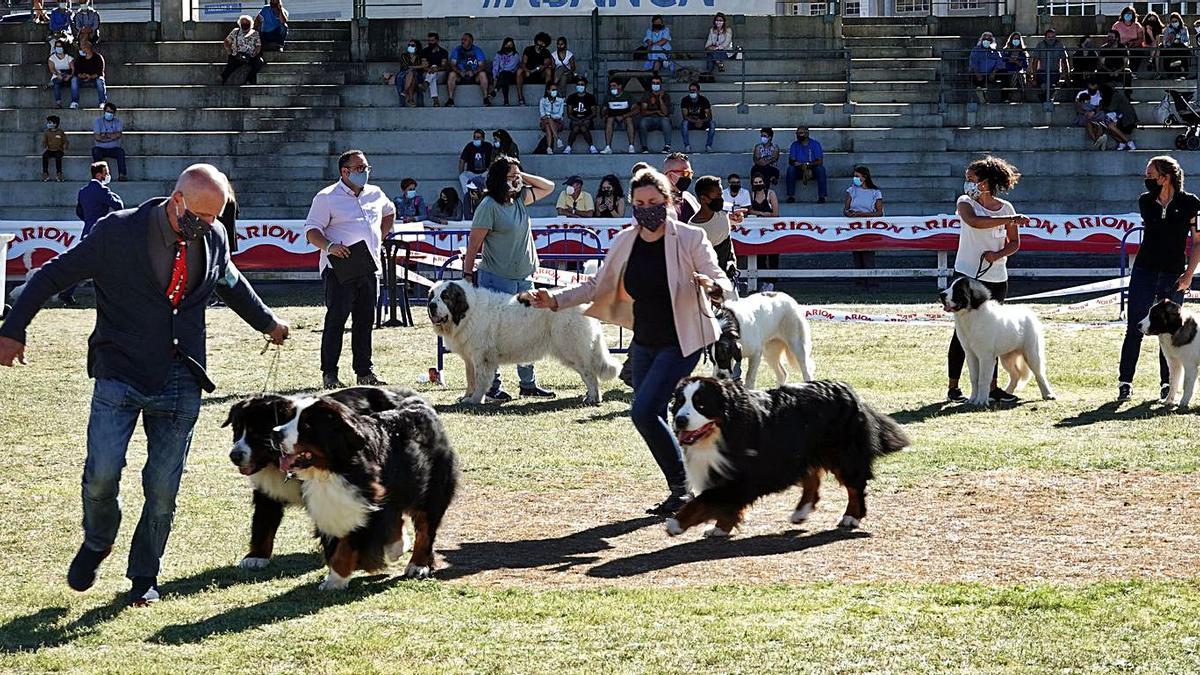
(219,618)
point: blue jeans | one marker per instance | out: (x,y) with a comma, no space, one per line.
(275,37)
(58,87)
(818,171)
(511,286)
(648,124)
(712,132)
(401,76)
(115,153)
(656,372)
(715,55)
(168,417)
(1145,288)
(98,83)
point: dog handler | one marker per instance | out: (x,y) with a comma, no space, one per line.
(987,237)
(652,281)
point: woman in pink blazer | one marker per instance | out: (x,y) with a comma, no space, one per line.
(654,281)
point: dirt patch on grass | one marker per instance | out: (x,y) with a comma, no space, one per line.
(995,527)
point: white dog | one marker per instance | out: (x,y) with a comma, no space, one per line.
(989,330)
(488,329)
(769,324)
(1176,331)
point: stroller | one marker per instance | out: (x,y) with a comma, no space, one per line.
(1176,108)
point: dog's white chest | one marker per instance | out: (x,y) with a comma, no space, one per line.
(272,483)
(701,461)
(334,504)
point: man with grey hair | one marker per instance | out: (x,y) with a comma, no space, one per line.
(154,268)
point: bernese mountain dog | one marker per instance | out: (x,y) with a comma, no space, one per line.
(256,454)
(740,445)
(362,474)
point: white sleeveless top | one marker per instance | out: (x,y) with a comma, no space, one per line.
(561,63)
(973,242)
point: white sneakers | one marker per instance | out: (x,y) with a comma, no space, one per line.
(558,142)
(567,150)
(606,151)
(592,149)
(74,106)
(632,149)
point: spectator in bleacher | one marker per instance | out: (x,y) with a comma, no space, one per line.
(574,201)
(763,200)
(467,63)
(719,45)
(62,74)
(476,191)
(87,23)
(501,228)
(1050,63)
(655,111)
(735,197)
(410,206)
(657,44)
(403,79)
(474,159)
(504,144)
(1153,26)
(447,208)
(61,23)
(1088,115)
(985,62)
(863,197)
(1176,46)
(610,198)
(54,146)
(89,72)
(619,107)
(806,160)
(107,131)
(1114,64)
(564,64)
(1119,116)
(272,24)
(697,116)
(550,117)
(245,49)
(678,170)
(434,64)
(505,66)
(1131,35)
(582,108)
(1016,65)
(1085,62)
(536,65)
(94,201)
(715,221)
(39,12)
(766,156)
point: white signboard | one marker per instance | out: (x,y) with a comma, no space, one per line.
(438,8)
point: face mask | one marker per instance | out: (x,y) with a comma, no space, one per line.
(1152,186)
(735,188)
(802,137)
(62,5)
(517,184)
(693,95)
(191,227)
(109,116)
(650,217)
(759,186)
(655,87)
(553,94)
(50,125)
(717,204)
(614,92)
(972,190)
(579,88)
(107,178)
(1127,17)
(496,142)
(682,183)
(58,50)
(411,194)
(986,44)
(562,48)
(605,190)
(412,49)
(657,26)
(764,139)
(1016,43)
(477,142)
(858,181)
(359,178)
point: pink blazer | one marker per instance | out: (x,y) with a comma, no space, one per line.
(687,251)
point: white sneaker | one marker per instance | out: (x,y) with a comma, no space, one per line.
(558,142)
(74,106)
(592,149)
(567,150)
(606,151)
(1120,146)
(1131,146)
(549,150)
(632,150)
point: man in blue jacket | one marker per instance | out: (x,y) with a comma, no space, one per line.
(94,202)
(154,269)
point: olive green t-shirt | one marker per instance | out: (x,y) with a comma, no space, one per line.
(508,250)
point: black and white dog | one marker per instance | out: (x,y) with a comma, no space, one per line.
(740,445)
(763,324)
(1176,331)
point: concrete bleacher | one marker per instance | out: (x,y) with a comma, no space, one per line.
(279,140)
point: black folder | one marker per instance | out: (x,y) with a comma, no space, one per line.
(359,264)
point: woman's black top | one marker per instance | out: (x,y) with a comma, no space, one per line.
(646,282)
(763,206)
(1164,239)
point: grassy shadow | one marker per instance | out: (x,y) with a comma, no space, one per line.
(517,407)
(1111,410)
(927,412)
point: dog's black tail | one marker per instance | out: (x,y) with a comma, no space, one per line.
(891,435)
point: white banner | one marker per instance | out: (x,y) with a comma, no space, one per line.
(441,8)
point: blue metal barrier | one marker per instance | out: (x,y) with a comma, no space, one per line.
(1124,265)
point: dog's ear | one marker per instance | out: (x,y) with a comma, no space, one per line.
(455,298)
(1186,333)
(235,411)
(977,294)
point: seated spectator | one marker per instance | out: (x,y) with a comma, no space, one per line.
(410,206)
(89,72)
(1088,115)
(434,64)
(107,131)
(1152,25)
(467,65)
(1176,46)
(447,208)
(763,201)
(61,20)
(655,110)
(403,79)
(766,156)
(657,44)
(581,110)
(985,62)
(1131,35)
(806,160)
(1115,63)
(610,198)
(505,67)
(39,12)
(476,191)
(54,145)
(536,65)
(245,49)
(87,23)
(1085,61)
(573,201)
(863,197)
(272,24)
(564,64)
(504,144)
(62,74)
(715,221)
(1016,65)
(474,160)
(697,116)
(550,111)
(1119,117)
(1050,63)
(735,197)
(718,48)
(618,108)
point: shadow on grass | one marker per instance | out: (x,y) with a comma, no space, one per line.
(702,550)
(559,554)
(521,407)
(929,411)
(237,396)
(1112,411)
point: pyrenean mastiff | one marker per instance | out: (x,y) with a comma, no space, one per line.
(766,324)
(488,329)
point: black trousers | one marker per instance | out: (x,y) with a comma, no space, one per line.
(353,300)
(57,156)
(238,60)
(957,356)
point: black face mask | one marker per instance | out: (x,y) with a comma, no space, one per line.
(759,186)
(191,226)
(717,205)
(734,188)
(682,183)
(802,137)
(1152,186)
(650,217)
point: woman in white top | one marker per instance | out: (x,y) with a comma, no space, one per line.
(719,43)
(864,198)
(62,72)
(987,237)
(564,64)
(551,109)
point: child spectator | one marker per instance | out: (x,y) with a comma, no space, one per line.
(618,108)
(697,116)
(504,69)
(54,145)
(720,42)
(550,110)
(766,156)
(581,110)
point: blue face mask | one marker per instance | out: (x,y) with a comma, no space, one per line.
(694,95)
(359,178)
(411,194)
(477,142)
(109,116)
(579,88)
(1128,17)
(655,87)
(858,181)
(49,125)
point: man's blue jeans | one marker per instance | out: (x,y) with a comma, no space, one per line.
(710,127)
(656,372)
(511,287)
(651,123)
(168,417)
(819,175)
(1146,287)
(98,83)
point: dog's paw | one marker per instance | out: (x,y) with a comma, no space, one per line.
(715,532)
(673,527)
(591,400)
(801,514)
(334,582)
(848,522)
(417,571)
(249,563)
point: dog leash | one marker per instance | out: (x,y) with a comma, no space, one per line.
(981,270)
(273,367)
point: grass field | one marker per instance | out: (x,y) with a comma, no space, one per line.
(1047,537)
